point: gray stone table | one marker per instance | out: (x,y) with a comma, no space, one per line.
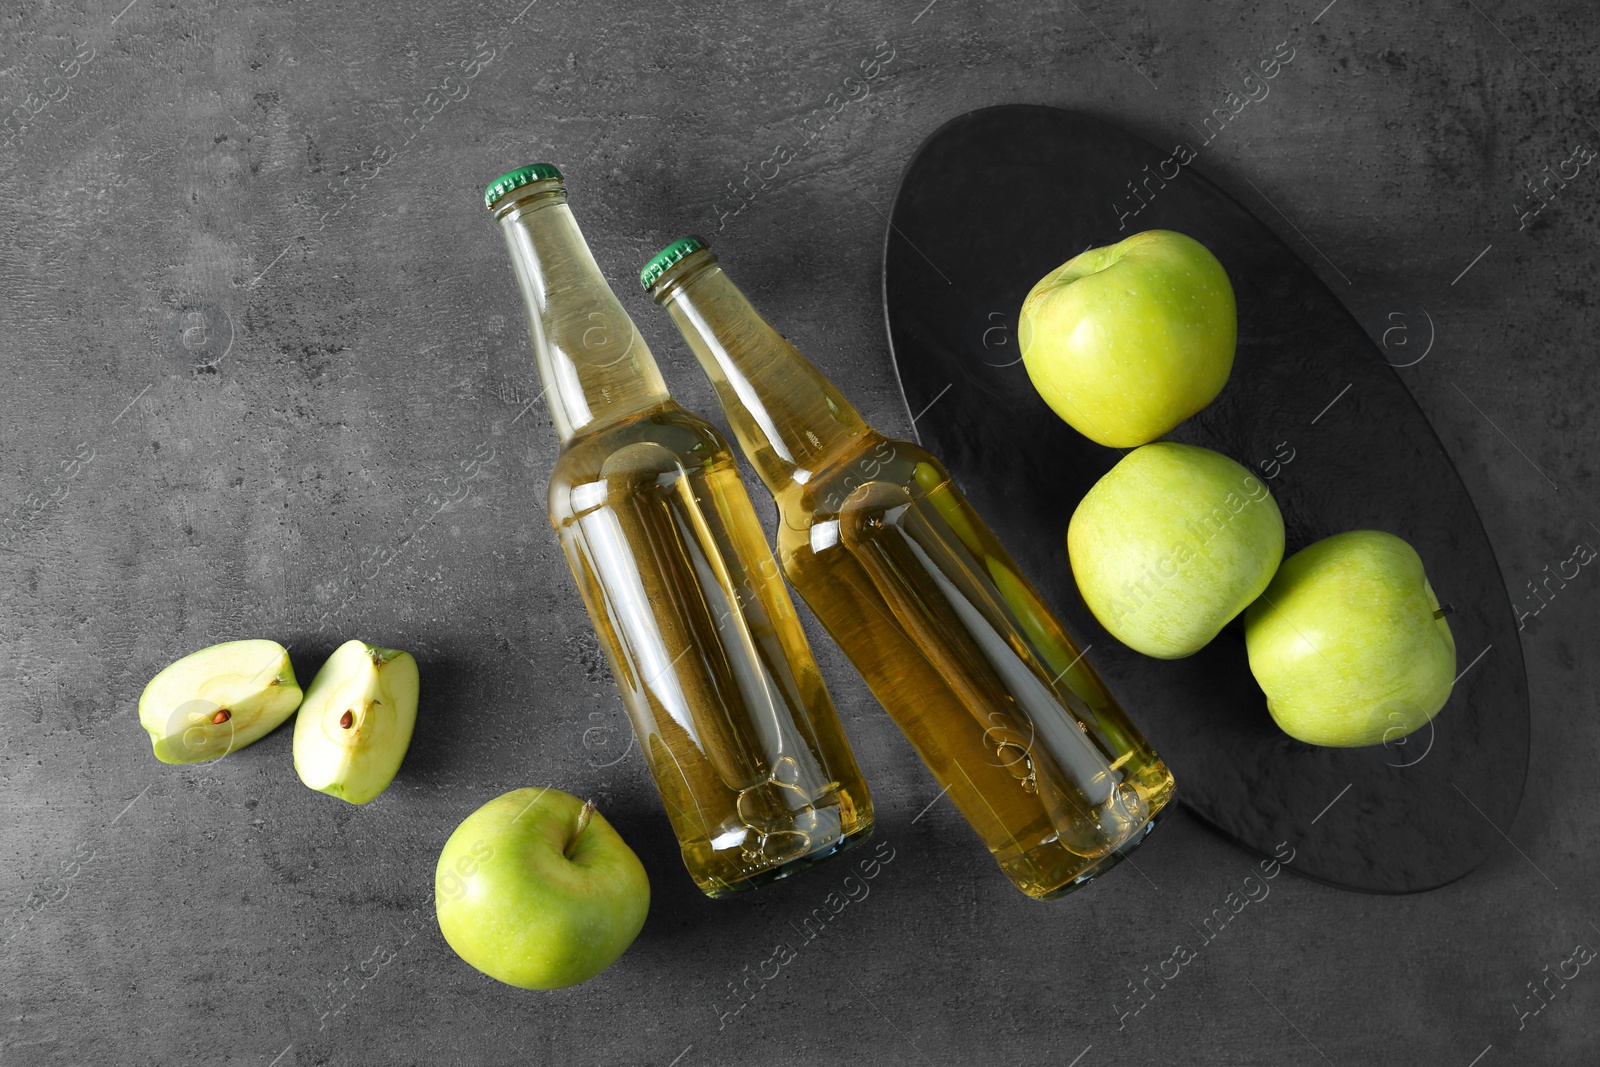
(252,314)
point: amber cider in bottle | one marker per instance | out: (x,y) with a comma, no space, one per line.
(722,690)
(950,637)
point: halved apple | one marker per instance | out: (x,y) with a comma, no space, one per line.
(355,725)
(217,700)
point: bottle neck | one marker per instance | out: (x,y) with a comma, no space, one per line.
(791,421)
(594,366)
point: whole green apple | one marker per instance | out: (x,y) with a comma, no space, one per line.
(1171,544)
(536,889)
(1349,643)
(1125,342)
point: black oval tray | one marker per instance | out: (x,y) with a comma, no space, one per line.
(994,200)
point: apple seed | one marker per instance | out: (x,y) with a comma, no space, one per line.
(222,716)
(347,719)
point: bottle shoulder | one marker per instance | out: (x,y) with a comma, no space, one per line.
(652,448)
(876,473)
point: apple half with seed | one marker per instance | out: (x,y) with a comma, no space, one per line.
(217,700)
(355,725)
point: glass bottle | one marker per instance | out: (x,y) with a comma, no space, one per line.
(951,638)
(713,667)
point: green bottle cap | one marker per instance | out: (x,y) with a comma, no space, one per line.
(533,172)
(663,260)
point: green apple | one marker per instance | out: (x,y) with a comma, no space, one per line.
(218,700)
(1349,642)
(536,889)
(1171,544)
(355,725)
(1125,342)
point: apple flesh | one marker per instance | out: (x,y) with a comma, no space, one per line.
(1127,341)
(537,890)
(1172,544)
(217,700)
(355,725)
(1349,643)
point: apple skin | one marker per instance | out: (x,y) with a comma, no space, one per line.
(249,685)
(515,906)
(377,688)
(1125,342)
(1172,544)
(1345,643)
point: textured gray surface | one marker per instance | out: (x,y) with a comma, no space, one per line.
(256,322)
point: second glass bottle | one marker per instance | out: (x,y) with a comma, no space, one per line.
(725,697)
(951,638)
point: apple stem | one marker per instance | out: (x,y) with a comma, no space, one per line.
(1442,612)
(584,816)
